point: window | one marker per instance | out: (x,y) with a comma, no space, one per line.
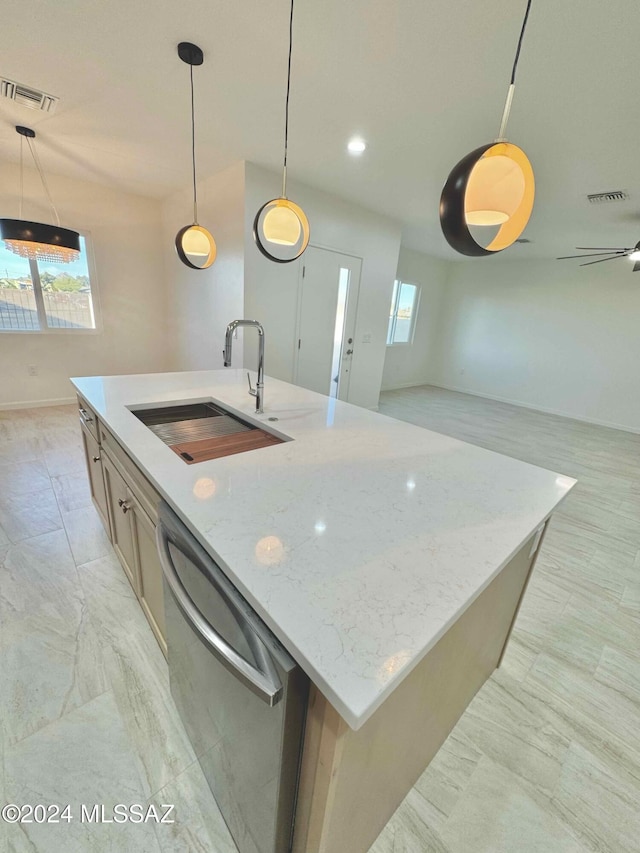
(402,317)
(40,296)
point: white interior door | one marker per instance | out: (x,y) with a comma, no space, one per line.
(327,310)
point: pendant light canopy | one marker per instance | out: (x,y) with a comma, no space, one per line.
(194,244)
(37,240)
(488,197)
(281,228)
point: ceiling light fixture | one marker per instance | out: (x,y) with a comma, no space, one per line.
(194,244)
(281,228)
(356,146)
(492,186)
(38,240)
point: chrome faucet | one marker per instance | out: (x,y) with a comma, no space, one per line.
(228,344)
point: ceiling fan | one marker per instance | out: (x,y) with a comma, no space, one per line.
(611,254)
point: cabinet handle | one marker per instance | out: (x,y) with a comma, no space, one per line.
(86,417)
(96,458)
(125,506)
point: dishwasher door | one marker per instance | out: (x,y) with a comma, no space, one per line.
(241,696)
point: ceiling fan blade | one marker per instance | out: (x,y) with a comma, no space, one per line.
(602,249)
(602,260)
(636,266)
(591,255)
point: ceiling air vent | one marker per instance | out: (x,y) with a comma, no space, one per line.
(614,195)
(26,96)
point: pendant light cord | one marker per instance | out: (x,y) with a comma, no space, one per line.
(512,83)
(36,160)
(286,109)
(193,151)
(21,176)
(519,48)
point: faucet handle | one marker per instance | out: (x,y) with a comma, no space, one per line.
(252,390)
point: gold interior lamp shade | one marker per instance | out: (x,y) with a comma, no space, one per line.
(282,226)
(38,241)
(196,247)
(491,188)
(281,230)
(494,192)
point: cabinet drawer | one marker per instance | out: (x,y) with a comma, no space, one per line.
(89,418)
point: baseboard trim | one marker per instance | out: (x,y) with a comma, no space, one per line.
(406,385)
(546,411)
(37,404)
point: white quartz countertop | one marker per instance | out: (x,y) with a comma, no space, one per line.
(359,543)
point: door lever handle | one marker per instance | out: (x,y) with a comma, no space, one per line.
(252,390)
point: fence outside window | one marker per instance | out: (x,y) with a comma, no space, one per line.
(39,296)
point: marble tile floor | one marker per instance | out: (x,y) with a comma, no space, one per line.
(85,710)
(546,758)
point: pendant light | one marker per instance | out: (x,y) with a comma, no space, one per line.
(195,245)
(37,240)
(281,228)
(490,190)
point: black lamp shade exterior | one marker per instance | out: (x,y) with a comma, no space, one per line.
(184,254)
(266,247)
(452,213)
(453,216)
(39,232)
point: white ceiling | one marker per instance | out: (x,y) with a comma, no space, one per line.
(422,82)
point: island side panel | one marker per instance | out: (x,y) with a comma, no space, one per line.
(352,781)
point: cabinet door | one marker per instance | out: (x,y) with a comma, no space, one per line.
(120,504)
(96,477)
(149,572)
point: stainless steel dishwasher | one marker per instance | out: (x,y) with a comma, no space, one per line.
(241,696)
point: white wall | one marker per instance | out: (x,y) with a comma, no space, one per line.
(414,363)
(126,237)
(201,302)
(271,290)
(546,334)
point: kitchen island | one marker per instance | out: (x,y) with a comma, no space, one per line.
(389,561)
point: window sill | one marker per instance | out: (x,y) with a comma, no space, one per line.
(53,332)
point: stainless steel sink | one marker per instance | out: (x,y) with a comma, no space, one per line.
(191,422)
(200,431)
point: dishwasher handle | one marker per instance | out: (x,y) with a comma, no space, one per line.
(266,685)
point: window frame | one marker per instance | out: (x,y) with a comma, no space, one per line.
(397,283)
(45,329)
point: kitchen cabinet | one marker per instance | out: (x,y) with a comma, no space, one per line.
(93,456)
(149,571)
(126,503)
(88,418)
(119,502)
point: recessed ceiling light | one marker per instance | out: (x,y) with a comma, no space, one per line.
(356,146)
